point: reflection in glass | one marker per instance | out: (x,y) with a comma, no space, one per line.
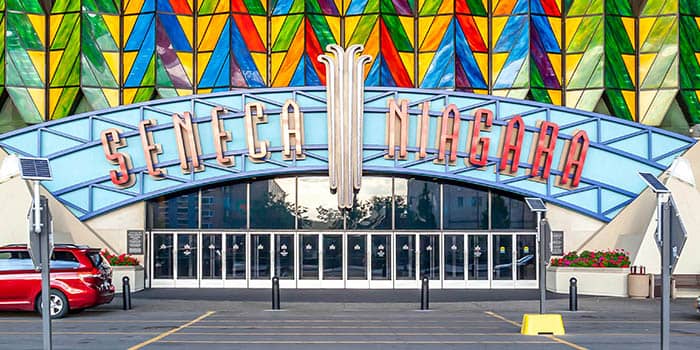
(186,256)
(526,263)
(372,209)
(180,211)
(235,256)
(308,244)
(417,204)
(478,257)
(510,212)
(381,257)
(430,256)
(259,257)
(284,257)
(163,260)
(465,208)
(454,257)
(272,203)
(405,257)
(357,257)
(502,257)
(332,257)
(317,206)
(224,207)
(211,256)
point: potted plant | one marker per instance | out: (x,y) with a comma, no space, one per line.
(125,265)
(601,272)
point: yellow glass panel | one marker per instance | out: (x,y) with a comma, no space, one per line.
(407,23)
(54,60)
(291,60)
(424,59)
(260,60)
(555,95)
(38,22)
(210,28)
(334,25)
(202,61)
(133,6)
(645,62)
(645,25)
(187,24)
(38,61)
(446,7)
(555,23)
(572,25)
(276,26)
(129,95)
(436,32)
(629,63)
(572,61)
(112,23)
(112,96)
(424,24)
(260,23)
(186,59)
(54,23)
(498,60)
(223,6)
(39,98)
(112,59)
(129,58)
(407,59)
(54,96)
(129,22)
(629,99)
(498,24)
(482,59)
(555,58)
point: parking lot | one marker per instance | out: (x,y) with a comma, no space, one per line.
(233,319)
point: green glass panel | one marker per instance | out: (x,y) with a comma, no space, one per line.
(363,29)
(689,45)
(387,7)
(671,7)
(653,7)
(162,77)
(24,37)
(523,78)
(671,79)
(65,102)
(397,33)
(61,6)
(167,93)
(95,98)
(143,94)
(590,27)
(254,7)
(690,7)
(19,60)
(596,7)
(597,78)
(585,68)
(207,7)
(312,6)
(25,105)
(297,7)
(29,6)
(535,77)
(87,77)
(477,8)
(69,24)
(689,35)
(287,32)
(663,28)
(73,78)
(540,95)
(577,7)
(616,104)
(108,6)
(616,34)
(618,7)
(150,75)
(12,75)
(321,29)
(691,105)
(95,29)
(430,8)
(11,118)
(372,6)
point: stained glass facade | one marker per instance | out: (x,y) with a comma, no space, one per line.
(637,60)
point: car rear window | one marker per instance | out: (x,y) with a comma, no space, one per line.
(97,259)
(15,260)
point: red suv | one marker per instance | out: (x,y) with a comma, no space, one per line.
(80,278)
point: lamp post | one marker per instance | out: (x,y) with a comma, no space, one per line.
(537,206)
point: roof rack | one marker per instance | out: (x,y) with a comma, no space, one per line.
(57,245)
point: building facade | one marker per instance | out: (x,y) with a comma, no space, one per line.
(348,144)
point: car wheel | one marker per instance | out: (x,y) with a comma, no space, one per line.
(58,304)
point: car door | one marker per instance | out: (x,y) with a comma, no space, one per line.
(18,279)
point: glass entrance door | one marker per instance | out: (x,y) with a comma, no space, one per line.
(309,261)
(429,257)
(478,268)
(260,261)
(502,261)
(235,252)
(381,266)
(332,272)
(187,260)
(357,267)
(163,261)
(406,258)
(453,249)
(212,260)
(285,260)
(526,266)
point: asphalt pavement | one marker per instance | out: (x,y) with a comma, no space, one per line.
(348,319)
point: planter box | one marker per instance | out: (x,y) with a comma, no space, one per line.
(135,274)
(602,281)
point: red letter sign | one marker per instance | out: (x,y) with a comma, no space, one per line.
(546,142)
(578,147)
(447,136)
(111,141)
(512,148)
(487,116)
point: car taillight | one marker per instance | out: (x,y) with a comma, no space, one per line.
(91,278)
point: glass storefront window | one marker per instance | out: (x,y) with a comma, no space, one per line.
(225,207)
(181,211)
(478,257)
(511,213)
(381,257)
(186,256)
(405,257)
(235,256)
(372,209)
(317,207)
(260,257)
(417,204)
(526,254)
(357,257)
(332,257)
(284,257)
(454,257)
(465,208)
(308,244)
(272,204)
(211,256)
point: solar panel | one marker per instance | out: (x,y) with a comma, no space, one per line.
(35,168)
(654,183)
(535,204)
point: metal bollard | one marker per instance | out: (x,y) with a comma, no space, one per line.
(424,294)
(275,293)
(126,293)
(573,294)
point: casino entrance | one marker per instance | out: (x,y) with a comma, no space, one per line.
(403,229)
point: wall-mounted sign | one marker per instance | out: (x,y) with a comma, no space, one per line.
(558,243)
(134,242)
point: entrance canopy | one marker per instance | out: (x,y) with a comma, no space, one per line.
(583,161)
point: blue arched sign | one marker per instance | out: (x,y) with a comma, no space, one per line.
(584,161)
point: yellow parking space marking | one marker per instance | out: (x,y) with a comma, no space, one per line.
(334,327)
(353,342)
(554,338)
(172,331)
